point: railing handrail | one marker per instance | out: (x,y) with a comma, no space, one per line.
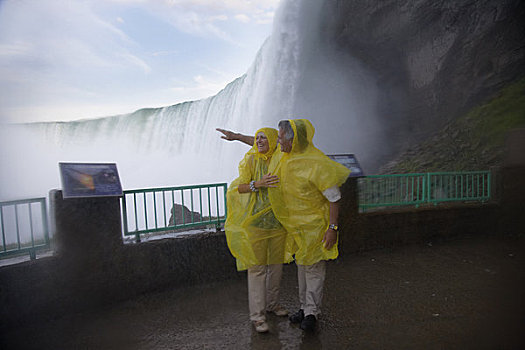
(22,201)
(459,172)
(394,175)
(186,187)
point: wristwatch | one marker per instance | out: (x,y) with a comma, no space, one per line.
(333,227)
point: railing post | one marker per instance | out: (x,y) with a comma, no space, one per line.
(217,208)
(489,182)
(4,243)
(512,177)
(349,215)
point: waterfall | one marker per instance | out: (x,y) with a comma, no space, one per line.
(297,73)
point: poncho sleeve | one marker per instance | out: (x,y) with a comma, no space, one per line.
(327,173)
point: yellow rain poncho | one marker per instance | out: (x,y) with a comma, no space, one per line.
(298,202)
(254,235)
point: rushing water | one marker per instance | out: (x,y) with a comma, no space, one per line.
(297,74)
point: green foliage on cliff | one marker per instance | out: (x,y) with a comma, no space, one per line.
(474,141)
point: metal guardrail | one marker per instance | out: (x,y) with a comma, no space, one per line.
(391,190)
(416,189)
(459,186)
(24,227)
(24,224)
(170,208)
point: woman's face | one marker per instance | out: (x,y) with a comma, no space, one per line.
(262,143)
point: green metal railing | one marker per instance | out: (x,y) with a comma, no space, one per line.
(24,227)
(416,189)
(171,208)
(462,186)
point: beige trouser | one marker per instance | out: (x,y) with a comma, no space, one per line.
(263,289)
(311,281)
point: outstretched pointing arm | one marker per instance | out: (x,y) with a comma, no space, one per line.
(233,136)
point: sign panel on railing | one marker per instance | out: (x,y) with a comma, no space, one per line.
(90,180)
(349,161)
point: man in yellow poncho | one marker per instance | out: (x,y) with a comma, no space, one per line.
(306,204)
(255,237)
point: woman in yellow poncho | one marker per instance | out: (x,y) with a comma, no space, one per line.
(255,237)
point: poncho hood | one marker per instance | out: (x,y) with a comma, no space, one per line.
(303,134)
(271,135)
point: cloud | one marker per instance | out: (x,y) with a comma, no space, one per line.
(47,47)
(58,35)
(204,17)
(201,87)
(242,18)
(134,60)
(265,18)
(164,53)
(15,49)
(54,52)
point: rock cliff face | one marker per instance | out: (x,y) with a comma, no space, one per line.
(433,60)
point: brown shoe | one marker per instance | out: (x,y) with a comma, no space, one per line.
(278,310)
(260,326)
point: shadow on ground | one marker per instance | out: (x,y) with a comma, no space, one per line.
(465,294)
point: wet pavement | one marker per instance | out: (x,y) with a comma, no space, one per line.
(463,294)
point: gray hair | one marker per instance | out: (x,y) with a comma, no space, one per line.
(287,128)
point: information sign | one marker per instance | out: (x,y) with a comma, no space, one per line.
(90,180)
(349,161)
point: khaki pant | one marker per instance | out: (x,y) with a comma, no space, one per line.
(311,282)
(263,289)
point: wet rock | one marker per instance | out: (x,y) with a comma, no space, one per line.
(181,214)
(433,60)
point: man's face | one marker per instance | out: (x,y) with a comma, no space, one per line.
(286,145)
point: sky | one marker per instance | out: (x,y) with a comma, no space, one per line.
(66,60)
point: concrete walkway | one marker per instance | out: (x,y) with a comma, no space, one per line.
(464,294)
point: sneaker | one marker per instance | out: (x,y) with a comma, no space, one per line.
(278,310)
(308,324)
(297,317)
(260,326)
